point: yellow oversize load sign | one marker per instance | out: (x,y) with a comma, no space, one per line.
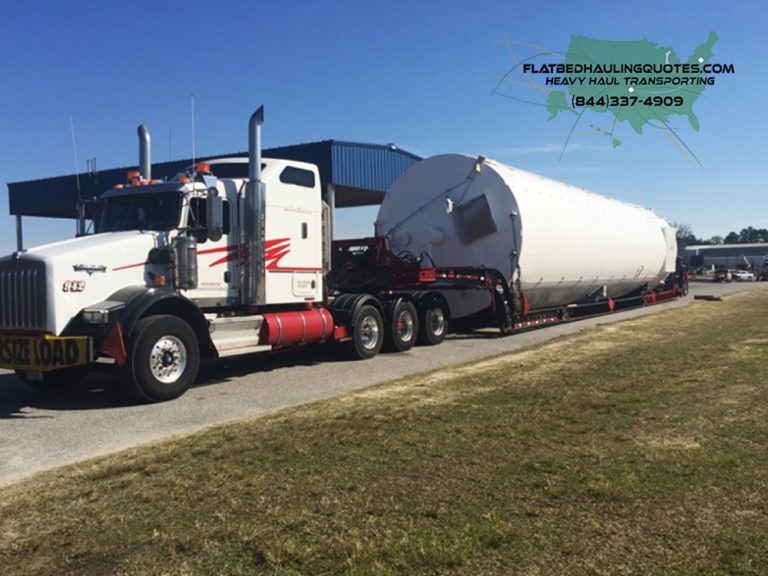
(43,353)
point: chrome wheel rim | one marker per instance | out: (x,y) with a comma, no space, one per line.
(404,326)
(168,359)
(436,321)
(369,333)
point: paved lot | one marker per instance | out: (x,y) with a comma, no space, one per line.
(42,431)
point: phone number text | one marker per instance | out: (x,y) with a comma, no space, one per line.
(621,101)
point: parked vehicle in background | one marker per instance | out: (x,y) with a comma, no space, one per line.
(723,275)
(743,275)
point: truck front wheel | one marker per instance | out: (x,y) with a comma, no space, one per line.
(163,359)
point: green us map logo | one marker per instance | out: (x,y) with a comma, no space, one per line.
(636,82)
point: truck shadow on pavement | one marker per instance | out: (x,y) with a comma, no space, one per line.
(219,371)
(100,390)
(20,400)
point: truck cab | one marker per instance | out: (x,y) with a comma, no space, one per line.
(205,212)
(169,248)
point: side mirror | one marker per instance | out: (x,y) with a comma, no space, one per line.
(214,217)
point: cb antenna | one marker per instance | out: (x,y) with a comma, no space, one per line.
(74,155)
(80,210)
(192,115)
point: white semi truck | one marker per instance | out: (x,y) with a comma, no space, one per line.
(200,267)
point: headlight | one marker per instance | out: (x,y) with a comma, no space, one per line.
(96,316)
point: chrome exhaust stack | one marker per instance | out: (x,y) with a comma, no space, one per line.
(145,165)
(254,145)
(253,292)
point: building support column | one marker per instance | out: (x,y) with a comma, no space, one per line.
(19,234)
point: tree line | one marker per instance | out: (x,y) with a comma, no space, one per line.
(748,235)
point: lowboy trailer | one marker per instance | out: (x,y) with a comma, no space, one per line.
(199,267)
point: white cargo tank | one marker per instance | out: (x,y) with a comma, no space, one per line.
(564,244)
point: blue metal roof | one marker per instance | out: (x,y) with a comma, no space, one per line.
(361,174)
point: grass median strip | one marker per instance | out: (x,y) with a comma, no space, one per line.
(634,448)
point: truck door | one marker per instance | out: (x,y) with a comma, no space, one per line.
(217,261)
(293,242)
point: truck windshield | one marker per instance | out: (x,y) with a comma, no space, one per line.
(155,211)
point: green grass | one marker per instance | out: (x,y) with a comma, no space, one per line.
(634,448)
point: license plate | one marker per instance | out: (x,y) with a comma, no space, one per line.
(43,353)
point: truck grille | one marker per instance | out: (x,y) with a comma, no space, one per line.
(22,296)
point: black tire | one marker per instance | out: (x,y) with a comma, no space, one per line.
(163,359)
(433,323)
(402,327)
(64,379)
(367,334)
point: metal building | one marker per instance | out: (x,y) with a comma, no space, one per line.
(725,255)
(351,174)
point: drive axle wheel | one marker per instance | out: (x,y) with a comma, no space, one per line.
(367,334)
(403,327)
(163,359)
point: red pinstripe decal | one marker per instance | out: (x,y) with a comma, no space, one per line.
(270,243)
(129,266)
(228,258)
(214,250)
(274,251)
(233,252)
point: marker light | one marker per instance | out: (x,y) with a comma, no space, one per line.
(96,316)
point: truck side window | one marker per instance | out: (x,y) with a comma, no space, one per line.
(197,219)
(226,218)
(298,176)
(196,212)
(198,215)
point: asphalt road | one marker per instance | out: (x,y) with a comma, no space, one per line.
(40,431)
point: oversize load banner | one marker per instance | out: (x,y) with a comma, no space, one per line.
(42,353)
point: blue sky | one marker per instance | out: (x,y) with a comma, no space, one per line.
(419,74)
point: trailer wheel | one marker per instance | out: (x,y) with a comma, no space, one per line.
(367,334)
(63,379)
(402,327)
(163,359)
(433,325)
